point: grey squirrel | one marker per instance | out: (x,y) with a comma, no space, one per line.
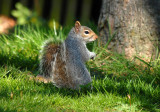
(63,64)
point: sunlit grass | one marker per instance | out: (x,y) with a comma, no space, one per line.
(118,84)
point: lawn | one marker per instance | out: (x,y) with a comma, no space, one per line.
(119,84)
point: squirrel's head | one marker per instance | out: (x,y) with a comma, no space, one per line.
(86,33)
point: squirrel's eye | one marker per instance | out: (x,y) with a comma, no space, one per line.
(86,32)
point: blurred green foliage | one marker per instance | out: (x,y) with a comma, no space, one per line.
(24,15)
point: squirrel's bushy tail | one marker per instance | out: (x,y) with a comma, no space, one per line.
(48,54)
(53,64)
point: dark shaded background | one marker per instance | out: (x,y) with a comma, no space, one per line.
(6,6)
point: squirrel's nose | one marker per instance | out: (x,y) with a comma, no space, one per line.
(95,37)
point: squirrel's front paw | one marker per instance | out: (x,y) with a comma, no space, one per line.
(92,55)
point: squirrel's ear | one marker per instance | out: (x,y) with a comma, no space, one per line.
(77,26)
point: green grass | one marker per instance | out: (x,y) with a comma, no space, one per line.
(114,79)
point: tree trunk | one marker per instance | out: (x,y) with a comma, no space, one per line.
(137,27)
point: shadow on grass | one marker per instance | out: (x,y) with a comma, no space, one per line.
(7,110)
(144,88)
(18,62)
